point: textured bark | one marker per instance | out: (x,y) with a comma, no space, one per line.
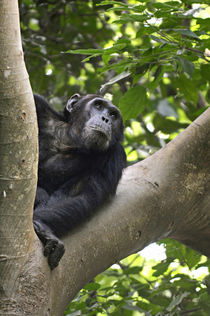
(18,155)
(166,195)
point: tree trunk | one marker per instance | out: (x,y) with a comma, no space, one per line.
(166,195)
(18,155)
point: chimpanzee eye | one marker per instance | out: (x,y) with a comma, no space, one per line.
(98,106)
(113,115)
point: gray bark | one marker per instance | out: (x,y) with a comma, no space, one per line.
(18,154)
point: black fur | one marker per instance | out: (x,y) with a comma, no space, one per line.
(80,164)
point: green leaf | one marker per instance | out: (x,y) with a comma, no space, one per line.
(158,39)
(192,258)
(117,78)
(89,57)
(92,286)
(187,87)
(208,96)
(186,32)
(119,67)
(167,125)
(205,71)
(133,102)
(187,66)
(133,270)
(167,6)
(90,51)
(125,18)
(184,254)
(177,300)
(204,24)
(107,2)
(158,76)
(160,268)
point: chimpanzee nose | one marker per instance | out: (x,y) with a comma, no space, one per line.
(105,119)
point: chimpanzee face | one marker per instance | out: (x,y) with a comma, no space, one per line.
(95,120)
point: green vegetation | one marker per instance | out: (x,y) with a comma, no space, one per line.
(152,59)
(139,287)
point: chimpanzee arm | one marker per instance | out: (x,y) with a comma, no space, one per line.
(44,110)
(41,197)
(62,213)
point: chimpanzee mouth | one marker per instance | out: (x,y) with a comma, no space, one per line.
(100,131)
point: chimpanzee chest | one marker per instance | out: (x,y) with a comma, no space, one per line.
(60,169)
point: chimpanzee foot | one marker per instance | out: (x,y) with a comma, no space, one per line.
(54,251)
(53,247)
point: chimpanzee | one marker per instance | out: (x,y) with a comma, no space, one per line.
(80,164)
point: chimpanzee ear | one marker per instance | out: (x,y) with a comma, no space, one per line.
(72,101)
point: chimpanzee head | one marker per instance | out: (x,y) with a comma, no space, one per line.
(94,121)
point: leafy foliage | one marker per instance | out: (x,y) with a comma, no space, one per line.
(152,58)
(138,287)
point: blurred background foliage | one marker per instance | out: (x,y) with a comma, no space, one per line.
(152,59)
